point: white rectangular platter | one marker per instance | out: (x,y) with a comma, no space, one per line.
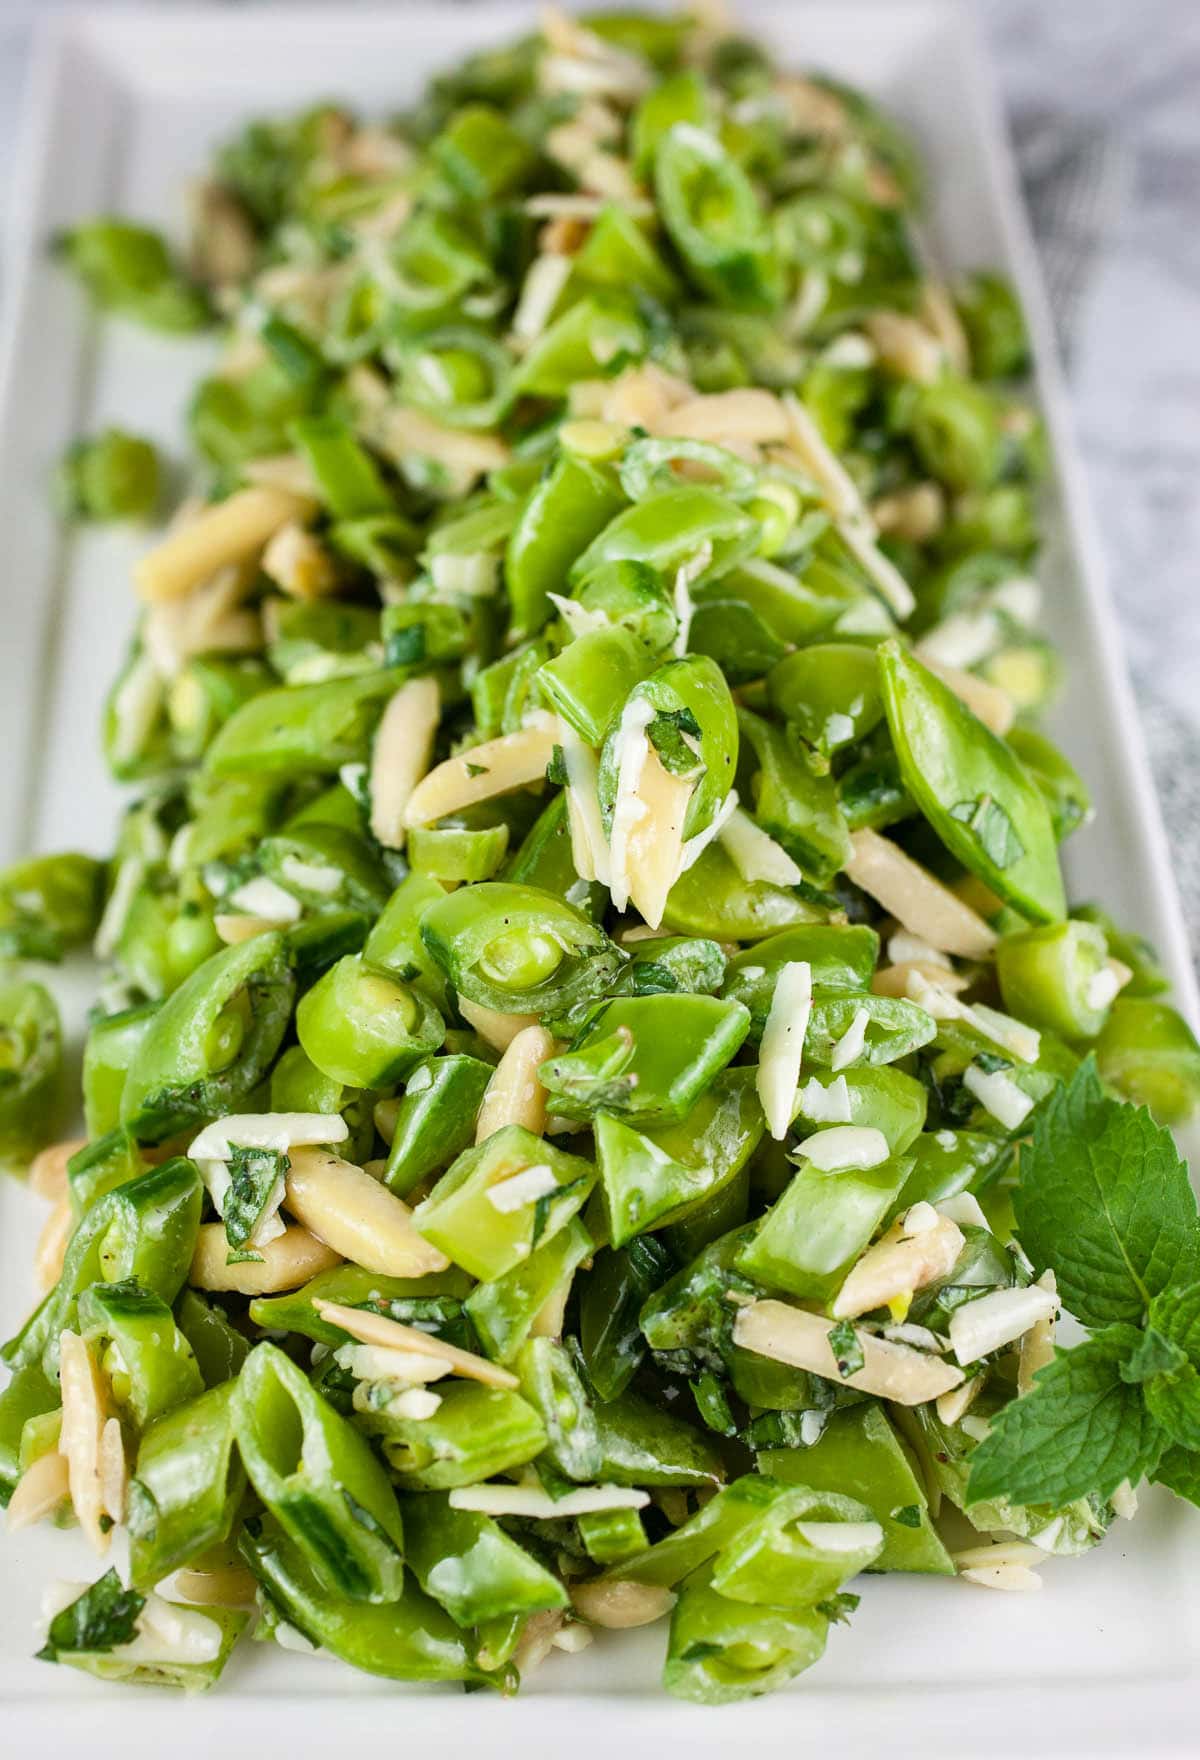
(125,105)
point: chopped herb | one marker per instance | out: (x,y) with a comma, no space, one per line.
(847,1349)
(556,769)
(838,1608)
(475,769)
(991,1061)
(669,734)
(405,647)
(994,831)
(105,1615)
(254,1177)
(908,1515)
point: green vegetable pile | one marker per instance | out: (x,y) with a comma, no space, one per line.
(597,1096)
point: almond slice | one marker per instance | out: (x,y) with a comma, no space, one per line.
(890,1371)
(378,1329)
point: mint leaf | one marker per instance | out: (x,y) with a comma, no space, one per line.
(1172,1338)
(847,1349)
(105,1615)
(1179,1471)
(1153,1355)
(669,733)
(1080,1429)
(994,831)
(556,769)
(1104,1200)
(253,1177)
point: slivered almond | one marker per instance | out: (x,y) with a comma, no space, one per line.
(299,563)
(620,1605)
(921,904)
(537,1640)
(114,1470)
(914,515)
(401,754)
(357,1217)
(377,1329)
(290,471)
(897,980)
(514,760)
(890,1371)
(938,312)
(233,927)
(52,1244)
(42,1488)
(48,1169)
(286,1262)
(994,707)
(905,346)
(403,433)
(231,531)
(208,618)
(642,397)
(230,1586)
(747,414)
(957,1403)
(514,1095)
(494,1027)
(84,1415)
(654,846)
(1037,1346)
(896,1265)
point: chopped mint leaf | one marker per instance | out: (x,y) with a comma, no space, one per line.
(105,1615)
(1105,1201)
(991,1061)
(1179,1471)
(847,1349)
(1081,1429)
(669,733)
(993,830)
(475,769)
(908,1515)
(405,647)
(556,769)
(712,1402)
(254,1175)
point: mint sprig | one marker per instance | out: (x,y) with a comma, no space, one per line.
(1104,1199)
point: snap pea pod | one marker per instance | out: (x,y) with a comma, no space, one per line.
(973,790)
(211,1042)
(471,1566)
(436,1118)
(365,1028)
(475,1433)
(149,1363)
(187,1485)
(30,1070)
(49,905)
(518,949)
(409,1639)
(316,1474)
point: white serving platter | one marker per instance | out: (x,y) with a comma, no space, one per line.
(124,105)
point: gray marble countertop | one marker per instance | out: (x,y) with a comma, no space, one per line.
(1120,78)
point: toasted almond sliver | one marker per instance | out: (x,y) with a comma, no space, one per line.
(84,1415)
(514,1095)
(378,1329)
(236,926)
(42,1487)
(114,1471)
(359,1218)
(897,980)
(231,1586)
(287,1261)
(921,904)
(957,1403)
(52,1244)
(897,1265)
(403,748)
(654,848)
(1037,1346)
(1014,1578)
(722,416)
(494,1027)
(289,471)
(297,561)
(48,1169)
(905,346)
(999,1552)
(891,1371)
(496,767)
(620,1605)
(230,531)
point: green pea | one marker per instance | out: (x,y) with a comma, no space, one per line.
(519,961)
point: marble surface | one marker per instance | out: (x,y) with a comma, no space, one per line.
(1105,89)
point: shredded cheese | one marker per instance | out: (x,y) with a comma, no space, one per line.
(849,1047)
(999,1095)
(841,1147)
(519,1189)
(528,1500)
(991,1321)
(754,853)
